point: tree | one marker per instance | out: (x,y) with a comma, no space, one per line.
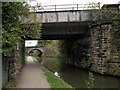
(14,28)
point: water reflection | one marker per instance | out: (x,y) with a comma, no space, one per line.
(83,79)
(80,78)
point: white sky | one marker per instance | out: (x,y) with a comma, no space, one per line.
(29,43)
(56,2)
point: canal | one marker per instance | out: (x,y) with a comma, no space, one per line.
(79,78)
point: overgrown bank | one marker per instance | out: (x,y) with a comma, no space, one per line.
(56,82)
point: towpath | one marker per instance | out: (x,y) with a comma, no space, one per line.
(32,76)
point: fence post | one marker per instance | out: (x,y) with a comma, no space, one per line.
(99,5)
(77,6)
(55,7)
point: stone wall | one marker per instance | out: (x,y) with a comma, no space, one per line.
(97,51)
(100,48)
(14,63)
(104,52)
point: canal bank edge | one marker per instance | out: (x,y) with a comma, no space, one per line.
(54,81)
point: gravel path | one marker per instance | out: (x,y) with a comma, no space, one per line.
(32,76)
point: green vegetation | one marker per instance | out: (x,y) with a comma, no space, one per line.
(37,59)
(106,15)
(56,82)
(37,55)
(10,84)
(52,43)
(90,81)
(44,42)
(26,58)
(14,30)
(51,64)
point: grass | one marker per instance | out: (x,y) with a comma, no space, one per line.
(34,59)
(37,59)
(56,82)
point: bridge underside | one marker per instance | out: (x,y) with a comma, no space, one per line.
(63,30)
(61,37)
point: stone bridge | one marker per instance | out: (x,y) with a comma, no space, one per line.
(44,50)
(65,24)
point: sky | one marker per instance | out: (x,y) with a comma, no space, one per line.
(58,2)
(29,43)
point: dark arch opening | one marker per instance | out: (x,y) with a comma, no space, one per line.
(36,52)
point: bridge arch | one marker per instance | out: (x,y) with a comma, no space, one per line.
(30,51)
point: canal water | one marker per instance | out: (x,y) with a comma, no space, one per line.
(80,78)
